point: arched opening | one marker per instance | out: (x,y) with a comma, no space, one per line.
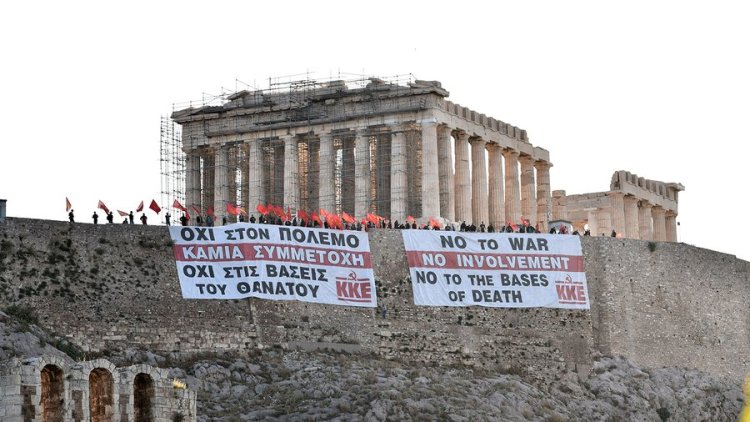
(52,399)
(101,395)
(143,398)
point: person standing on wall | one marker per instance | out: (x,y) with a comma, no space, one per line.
(143,218)
(130,217)
(95,217)
(71,217)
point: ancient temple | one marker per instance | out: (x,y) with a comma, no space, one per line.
(635,207)
(384,147)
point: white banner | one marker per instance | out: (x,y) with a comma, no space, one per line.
(504,270)
(274,262)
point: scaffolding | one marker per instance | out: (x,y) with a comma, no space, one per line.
(304,101)
(171,163)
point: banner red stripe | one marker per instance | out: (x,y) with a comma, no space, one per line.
(230,252)
(490,261)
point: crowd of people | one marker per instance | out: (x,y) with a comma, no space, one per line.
(524,227)
(129,218)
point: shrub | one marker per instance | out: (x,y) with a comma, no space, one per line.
(651,246)
(22,313)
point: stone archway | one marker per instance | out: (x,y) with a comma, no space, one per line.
(101,395)
(52,399)
(143,398)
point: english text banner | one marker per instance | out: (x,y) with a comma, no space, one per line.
(274,262)
(505,270)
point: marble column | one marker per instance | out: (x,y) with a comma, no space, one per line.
(645,228)
(559,205)
(326,181)
(313,176)
(255,175)
(193,181)
(291,174)
(399,178)
(670,221)
(209,171)
(512,193)
(604,217)
(445,164)
(630,203)
(543,199)
(232,164)
(617,203)
(348,176)
(593,221)
(430,180)
(496,183)
(361,174)
(660,232)
(528,189)
(221,182)
(479,201)
(462,180)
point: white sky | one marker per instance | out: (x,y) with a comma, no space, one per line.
(661,89)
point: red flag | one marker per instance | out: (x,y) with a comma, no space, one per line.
(179,206)
(197,210)
(262,209)
(140,207)
(122,213)
(278,211)
(410,219)
(103,207)
(210,212)
(317,219)
(231,209)
(289,213)
(434,223)
(348,218)
(334,221)
(67,204)
(303,216)
(241,210)
(155,207)
(323,213)
(372,218)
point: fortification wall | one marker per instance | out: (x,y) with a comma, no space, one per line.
(115,286)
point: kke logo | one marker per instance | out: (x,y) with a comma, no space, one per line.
(570,292)
(353,289)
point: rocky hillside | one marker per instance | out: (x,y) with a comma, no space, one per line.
(288,385)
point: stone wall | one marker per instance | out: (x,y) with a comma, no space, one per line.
(47,388)
(115,286)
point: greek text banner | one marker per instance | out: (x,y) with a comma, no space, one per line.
(274,262)
(504,270)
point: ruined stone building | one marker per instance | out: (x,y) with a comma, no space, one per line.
(371,145)
(47,389)
(638,208)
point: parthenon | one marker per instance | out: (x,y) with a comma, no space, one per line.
(378,146)
(635,207)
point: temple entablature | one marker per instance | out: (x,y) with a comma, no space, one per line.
(634,207)
(662,194)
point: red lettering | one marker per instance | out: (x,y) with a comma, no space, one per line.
(353,291)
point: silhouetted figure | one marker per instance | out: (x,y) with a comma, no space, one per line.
(143,218)
(183,220)
(131,218)
(167,217)
(95,217)
(111,218)
(71,217)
